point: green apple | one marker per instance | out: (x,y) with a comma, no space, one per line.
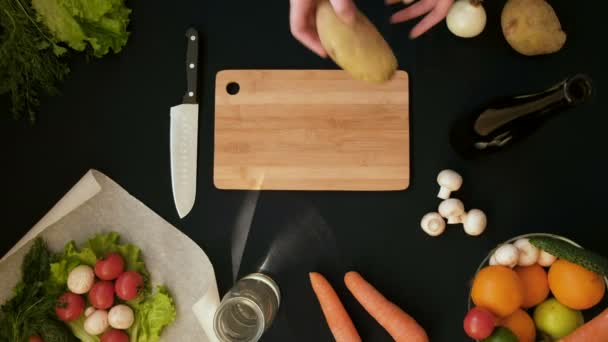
(555,319)
(501,334)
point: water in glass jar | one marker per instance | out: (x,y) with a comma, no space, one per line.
(248,309)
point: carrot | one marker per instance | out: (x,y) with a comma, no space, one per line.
(337,318)
(401,326)
(594,330)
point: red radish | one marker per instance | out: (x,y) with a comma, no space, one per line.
(69,307)
(337,318)
(35,338)
(101,295)
(114,335)
(110,267)
(401,326)
(594,330)
(479,323)
(129,285)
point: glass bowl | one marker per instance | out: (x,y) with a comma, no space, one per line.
(588,314)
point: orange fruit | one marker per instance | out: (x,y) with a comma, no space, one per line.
(521,324)
(536,284)
(498,289)
(575,286)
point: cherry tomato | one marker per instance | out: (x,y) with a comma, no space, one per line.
(35,338)
(69,307)
(479,323)
(110,267)
(101,295)
(114,335)
(129,285)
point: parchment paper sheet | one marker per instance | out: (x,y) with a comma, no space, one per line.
(97,204)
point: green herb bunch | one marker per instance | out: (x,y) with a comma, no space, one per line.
(30,64)
(31,311)
(37,35)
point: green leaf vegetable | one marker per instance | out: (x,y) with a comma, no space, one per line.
(31,310)
(36,35)
(152,315)
(153,310)
(100,24)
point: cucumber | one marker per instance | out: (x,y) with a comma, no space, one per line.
(564,250)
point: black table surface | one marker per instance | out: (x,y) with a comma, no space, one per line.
(113,116)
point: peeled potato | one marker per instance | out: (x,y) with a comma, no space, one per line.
(357,47)
(532,28)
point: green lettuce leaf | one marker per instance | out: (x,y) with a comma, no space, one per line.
(63,263)
(102,244)
(98,24)
(152,315)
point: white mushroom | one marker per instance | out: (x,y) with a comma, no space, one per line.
(449,180)
(433,224)
(452,209)
(89,311)
(96,323)
(493,261)
(507,255)
(528,253)
(121,317)
(545,259)
(81,279)
(475,222)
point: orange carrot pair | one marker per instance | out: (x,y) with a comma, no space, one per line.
(337,318)
(401,326)
(594,330)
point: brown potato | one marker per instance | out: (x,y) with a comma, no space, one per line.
(357,48)
(531,27)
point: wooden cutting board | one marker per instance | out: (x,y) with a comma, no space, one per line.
(310,130)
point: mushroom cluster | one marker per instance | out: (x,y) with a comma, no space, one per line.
(520,253)
(474,221)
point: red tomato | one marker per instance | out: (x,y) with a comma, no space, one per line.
(129,285)
(101,295)
(35,338)
(69,307)
(110,267)
(479,323)
(114,335)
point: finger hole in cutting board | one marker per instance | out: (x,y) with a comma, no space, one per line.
(233,88)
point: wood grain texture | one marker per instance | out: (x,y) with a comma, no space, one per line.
(310,130)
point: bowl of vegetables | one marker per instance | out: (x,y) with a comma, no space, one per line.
(539,287)
(99,291)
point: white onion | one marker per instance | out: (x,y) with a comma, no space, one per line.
(467,18)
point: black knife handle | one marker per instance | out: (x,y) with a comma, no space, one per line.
(192,66)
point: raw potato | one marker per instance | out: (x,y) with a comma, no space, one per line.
(532,28)
(357,48)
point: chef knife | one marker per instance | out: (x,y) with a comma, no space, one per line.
(184,134)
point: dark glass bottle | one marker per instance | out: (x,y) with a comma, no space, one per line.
(508,119)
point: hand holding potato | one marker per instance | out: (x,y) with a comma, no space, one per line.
(302,21)
(303,27)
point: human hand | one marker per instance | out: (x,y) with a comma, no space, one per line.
(435,10)
(302,19)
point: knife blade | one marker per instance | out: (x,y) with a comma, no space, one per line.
(184,134)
